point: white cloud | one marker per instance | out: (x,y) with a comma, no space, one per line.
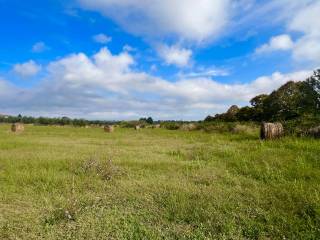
(106,86)
(39,47)
(128,48)
(174,55)
(307,49)
(186,19)
(277,43)
(27,69)
(306,21)
(102,38)
(205,72)
(7,90)
(266,84)
(300,17)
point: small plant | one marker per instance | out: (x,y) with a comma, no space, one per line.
(102,168)
(66,211)
(170,125)
(176,153)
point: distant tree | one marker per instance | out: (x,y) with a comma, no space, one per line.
(79,122)
(65,121)
(209,118)
(149,120)
(28,120)
(288,102)
(19,118)
(313,90)
(258,103)
(44,121)
(291,101)
(246,114)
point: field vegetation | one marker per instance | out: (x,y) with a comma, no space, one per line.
(223,183)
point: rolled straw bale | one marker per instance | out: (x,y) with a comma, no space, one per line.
(137,127)
(188,127)
(109,128)
(314,132)
(17,127)
(271,131)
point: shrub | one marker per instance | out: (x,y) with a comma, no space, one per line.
(300,127)
(170,125)
(105,169)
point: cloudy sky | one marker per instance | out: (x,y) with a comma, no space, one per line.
(169,59)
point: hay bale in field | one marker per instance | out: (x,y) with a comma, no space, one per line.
(17,127)
(271,131)
(188,127)
(314,132)
(157,126)
(137,127)
(108,128)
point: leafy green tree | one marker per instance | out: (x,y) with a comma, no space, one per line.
(313,90)
(209,118)
(284,103)
(246,114)
(149,120)
(65,121)
(258,103)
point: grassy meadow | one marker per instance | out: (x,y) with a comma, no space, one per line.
(78,183)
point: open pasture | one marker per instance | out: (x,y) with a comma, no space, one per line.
(78,183)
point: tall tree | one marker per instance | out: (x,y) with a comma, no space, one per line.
(313,88)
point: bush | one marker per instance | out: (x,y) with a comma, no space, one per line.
(130,124)
(301,126)
(231,127)
(170,125)
(216,126)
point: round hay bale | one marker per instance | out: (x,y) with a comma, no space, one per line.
(188,127)
(157,126)
(271,131)
(314,132)
(17,127)
(108,128)
(137,127)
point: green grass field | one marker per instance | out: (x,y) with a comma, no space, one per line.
(77,183)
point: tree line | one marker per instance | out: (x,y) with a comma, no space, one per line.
(51,121)
(292,101)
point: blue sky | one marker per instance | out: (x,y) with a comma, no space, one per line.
(170,59)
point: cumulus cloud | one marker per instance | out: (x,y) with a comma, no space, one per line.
(306,21)
(27,69)
(128,48)
(277,43)
(175,55)
(102,38)
(39,47)
(299,17)
(186,19)
(7,90)
(205,72)
(106,86)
